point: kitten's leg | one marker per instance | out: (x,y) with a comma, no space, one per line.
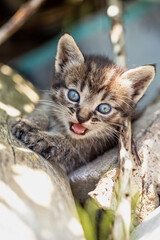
(37,120)
(53,147)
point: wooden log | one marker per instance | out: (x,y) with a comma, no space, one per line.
(121,228)
(35,198)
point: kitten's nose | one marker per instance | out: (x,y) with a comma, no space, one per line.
(83,115)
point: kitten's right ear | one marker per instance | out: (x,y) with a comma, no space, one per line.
(137,80)
(67,53)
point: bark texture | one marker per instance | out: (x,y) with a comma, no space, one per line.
(35,198)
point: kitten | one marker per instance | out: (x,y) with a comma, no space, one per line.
(90,98)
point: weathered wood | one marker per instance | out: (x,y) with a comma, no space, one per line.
(115,12)
(35,198)
(149,229)
(121,228)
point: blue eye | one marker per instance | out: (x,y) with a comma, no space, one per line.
(73,96)
(104,108)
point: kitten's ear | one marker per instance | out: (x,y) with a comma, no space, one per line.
(67,53)
(138,79)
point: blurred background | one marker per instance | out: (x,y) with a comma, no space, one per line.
(32,49)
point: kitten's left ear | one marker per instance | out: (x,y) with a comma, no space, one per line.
(67,53)
(138,79)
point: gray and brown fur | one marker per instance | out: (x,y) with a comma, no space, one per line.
(97,80)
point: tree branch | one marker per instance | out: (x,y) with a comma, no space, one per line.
(18,19)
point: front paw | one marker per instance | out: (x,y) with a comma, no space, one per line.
(41,143)
(34,139)
(21,128)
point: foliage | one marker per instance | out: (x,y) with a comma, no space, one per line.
(98,223)
(135,203)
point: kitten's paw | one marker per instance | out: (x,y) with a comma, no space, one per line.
(41,143)
(21,128)
(34,139)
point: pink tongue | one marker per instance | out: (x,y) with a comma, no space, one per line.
(78,128)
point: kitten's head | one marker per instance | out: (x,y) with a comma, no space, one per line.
(92,95)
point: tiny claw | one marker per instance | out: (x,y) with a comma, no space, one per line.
(49,152)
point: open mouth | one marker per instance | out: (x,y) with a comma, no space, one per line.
(78,129)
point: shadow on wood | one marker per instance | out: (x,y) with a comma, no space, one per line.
(35,198)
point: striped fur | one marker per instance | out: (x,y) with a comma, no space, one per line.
(97,80)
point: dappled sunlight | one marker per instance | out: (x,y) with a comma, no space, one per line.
(116,32)
(112,11)
(17,78)
(24,149)
(28,91)
(23,88)
(2,146)
(75,227)
(35,183)
(11,111)
(6,70)
(12,227)
(28,108)
(12,200)
(124,212)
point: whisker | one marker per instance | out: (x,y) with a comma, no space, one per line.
(116,124)
(112,130)
(112,135)
(55,107)
(47,102)
(124,110)
(45,91)
(123,101)
(131,100)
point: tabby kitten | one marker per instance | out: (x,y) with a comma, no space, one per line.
(90,97)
